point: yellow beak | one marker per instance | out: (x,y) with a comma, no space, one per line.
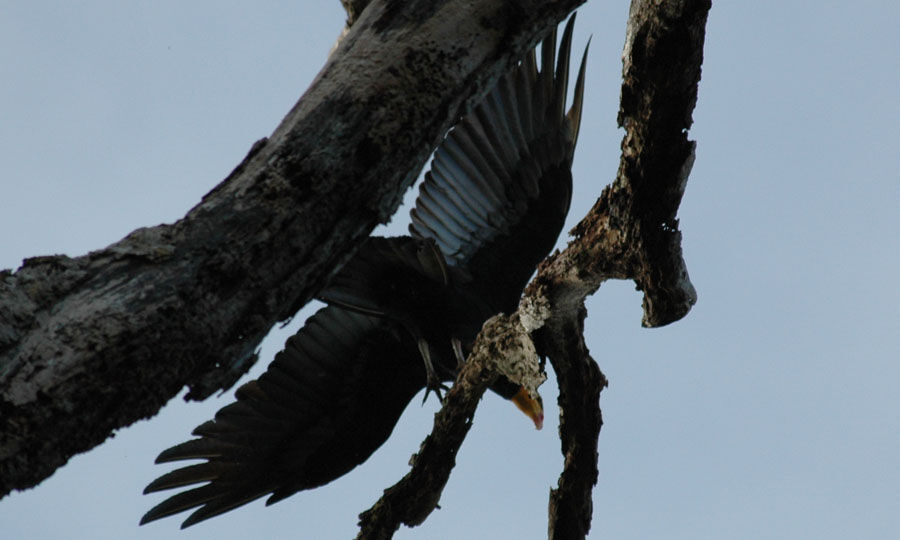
(533,408)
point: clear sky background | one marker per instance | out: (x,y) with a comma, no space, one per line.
(770,411)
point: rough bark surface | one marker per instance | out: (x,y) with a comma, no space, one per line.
(93,343)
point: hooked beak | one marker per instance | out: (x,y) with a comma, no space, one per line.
(533,408)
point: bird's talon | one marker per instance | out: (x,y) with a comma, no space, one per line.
(436,386)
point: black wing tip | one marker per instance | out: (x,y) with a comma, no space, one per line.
(196,448)
(149,517)
(191,520)
(168,455)
(172,505)
(574,114)
(570,24)
(153,487)
(158,512)
(196,518)
(204,506)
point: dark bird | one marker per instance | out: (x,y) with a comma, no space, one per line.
(404,311)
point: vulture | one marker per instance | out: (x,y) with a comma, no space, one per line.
(403,312)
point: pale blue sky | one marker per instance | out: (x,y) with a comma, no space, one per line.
(771,411)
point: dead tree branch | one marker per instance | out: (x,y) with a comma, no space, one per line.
(630,233)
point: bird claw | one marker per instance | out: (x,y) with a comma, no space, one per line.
(436,386)
(433,383)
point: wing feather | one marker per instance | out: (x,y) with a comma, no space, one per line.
(500,181)
(328,400)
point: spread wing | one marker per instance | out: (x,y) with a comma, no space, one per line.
(323,406)
(500,184)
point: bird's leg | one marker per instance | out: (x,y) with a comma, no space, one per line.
(458,352)
(433,382)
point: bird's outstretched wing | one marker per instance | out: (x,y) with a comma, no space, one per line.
(500,184)
(326,402)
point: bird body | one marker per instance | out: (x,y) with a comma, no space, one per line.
(489,210)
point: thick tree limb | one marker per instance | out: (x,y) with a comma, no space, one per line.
(580,383)
(631,233)
(93,343)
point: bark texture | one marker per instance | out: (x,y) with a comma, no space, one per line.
(93,343)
